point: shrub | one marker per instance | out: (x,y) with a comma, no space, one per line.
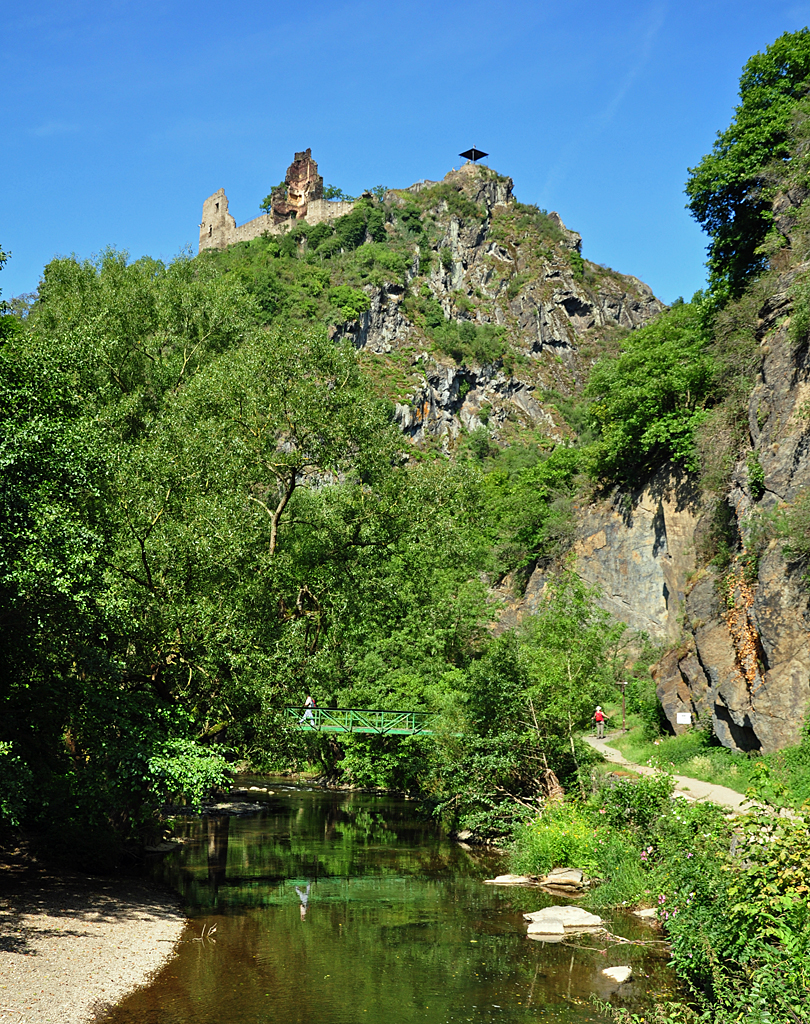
(642,700)
(635,803)
(563,836)
(349,301)
(468,342)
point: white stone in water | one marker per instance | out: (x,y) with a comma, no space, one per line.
(571,917)
(618,974)
(510,880)
(650,912)
(567,877)
(548,926)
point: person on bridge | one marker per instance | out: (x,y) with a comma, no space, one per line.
(309,704)
(599,718)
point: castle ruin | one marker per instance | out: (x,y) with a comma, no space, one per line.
(303,201)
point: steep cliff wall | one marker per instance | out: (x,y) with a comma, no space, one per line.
(745,658)
(638,549)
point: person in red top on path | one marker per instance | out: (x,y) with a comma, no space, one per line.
(599,718)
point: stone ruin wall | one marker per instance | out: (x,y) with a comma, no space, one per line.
(304,202)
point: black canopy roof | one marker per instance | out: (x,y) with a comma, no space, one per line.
(473,154)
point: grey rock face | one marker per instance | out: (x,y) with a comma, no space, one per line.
(638,549)
(745,659)
(455,397)
(483,278)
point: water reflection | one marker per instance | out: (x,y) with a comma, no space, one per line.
(336,908)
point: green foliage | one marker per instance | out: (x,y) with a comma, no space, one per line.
(201,517)
(334,193)
(636,803)
(453,198)
(294,276)
(519,707)
(736,909)
(756,476)
(526,221)
(529,497)
(642,700)
(349,301)
(466,342)
(391,763)
(563,836)
(15,785)
(9,325)
(577,265)
(182,767)
(793,527)
(649,401)
(571,835)
(727,191)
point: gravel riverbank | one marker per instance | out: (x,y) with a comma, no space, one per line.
(72,946)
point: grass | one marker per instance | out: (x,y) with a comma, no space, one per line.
(782,777)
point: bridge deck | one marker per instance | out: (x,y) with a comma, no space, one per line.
(382,723)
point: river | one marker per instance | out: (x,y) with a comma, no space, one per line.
(337,908)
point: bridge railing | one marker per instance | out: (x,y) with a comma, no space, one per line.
(382,722)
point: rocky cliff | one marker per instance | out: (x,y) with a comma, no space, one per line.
(638,550)
(739,627)
(745,656)
(494,262)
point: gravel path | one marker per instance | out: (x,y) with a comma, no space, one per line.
(692,788)
(71,947)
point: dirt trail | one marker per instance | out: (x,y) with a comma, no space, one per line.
(694,789)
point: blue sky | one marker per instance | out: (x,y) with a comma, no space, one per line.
(121,117)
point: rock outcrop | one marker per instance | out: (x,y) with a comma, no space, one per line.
(638,549)
(514,268)
(744,663)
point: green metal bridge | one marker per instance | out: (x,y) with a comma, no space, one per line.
(381,723)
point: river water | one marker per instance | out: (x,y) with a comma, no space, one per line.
(338,908)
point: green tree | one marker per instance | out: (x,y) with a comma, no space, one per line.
(649,401)
(337,194)
(9,325)
(519,706)
(727,191)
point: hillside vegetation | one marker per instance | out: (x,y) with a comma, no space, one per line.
(304,465)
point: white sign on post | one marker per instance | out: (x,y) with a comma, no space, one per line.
(683,718)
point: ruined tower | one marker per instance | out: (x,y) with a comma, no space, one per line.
(304,201)
(303,185)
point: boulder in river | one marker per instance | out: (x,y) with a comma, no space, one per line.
(618,974)
(574,920)
(564,880)
(550,929)
(511,880)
